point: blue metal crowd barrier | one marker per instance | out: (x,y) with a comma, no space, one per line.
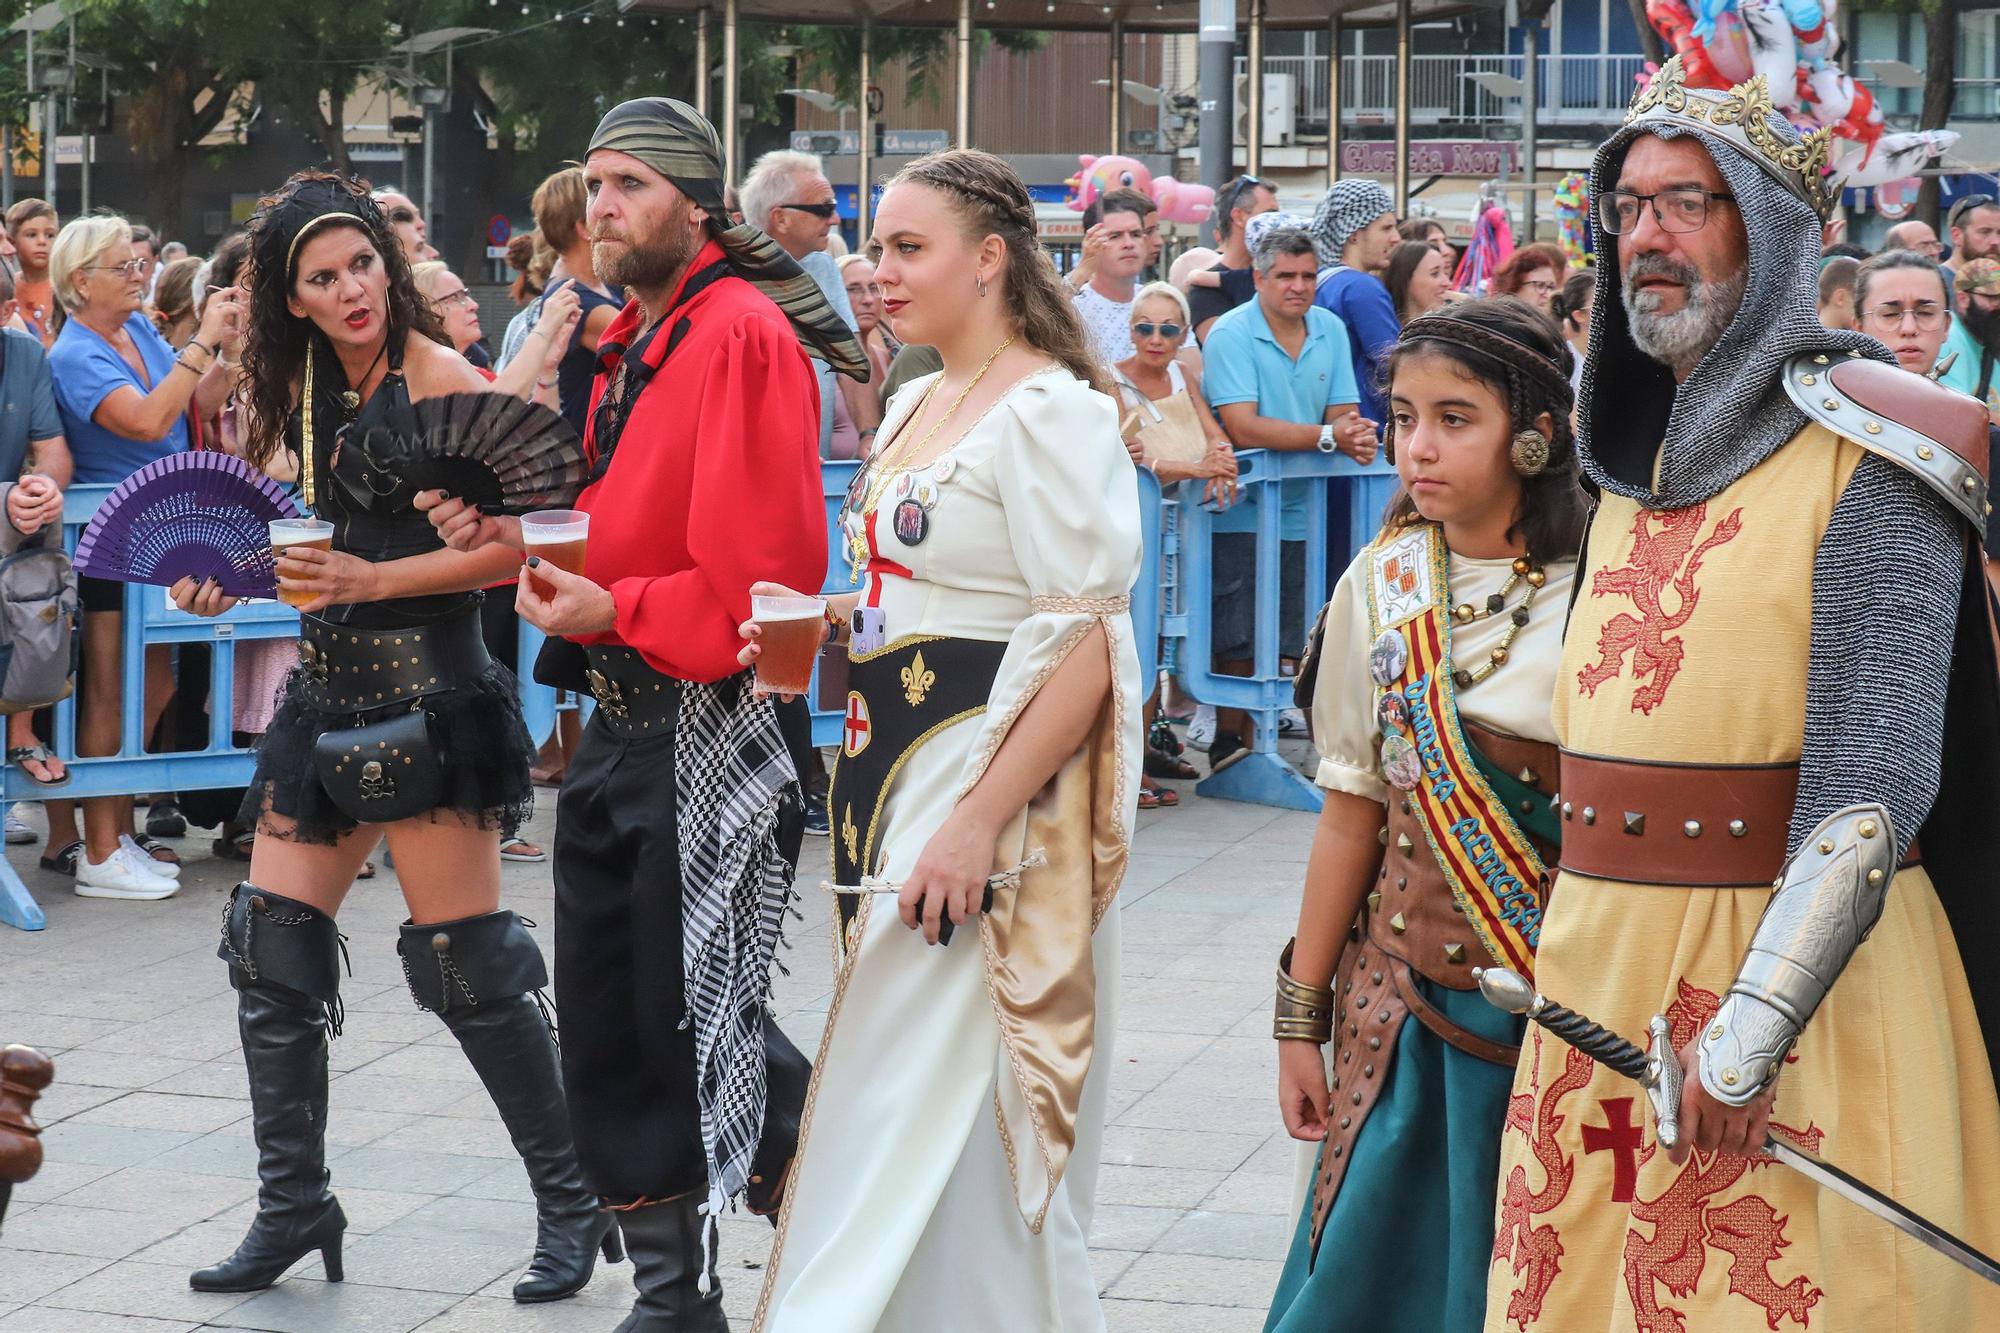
(1344,505)
(1167,587)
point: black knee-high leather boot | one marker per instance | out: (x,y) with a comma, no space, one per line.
(478,975)
(669,1259)
(284,962)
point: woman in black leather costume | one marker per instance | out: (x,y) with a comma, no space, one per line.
(396,723)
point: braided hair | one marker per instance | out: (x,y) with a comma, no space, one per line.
(990,200)
(1513,349)
(275,341)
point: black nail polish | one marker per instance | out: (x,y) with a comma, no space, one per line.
(534,562)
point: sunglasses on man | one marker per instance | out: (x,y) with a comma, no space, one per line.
(1232,193)
(822,211)
(1966,205)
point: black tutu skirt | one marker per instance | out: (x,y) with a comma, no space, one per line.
(482,744)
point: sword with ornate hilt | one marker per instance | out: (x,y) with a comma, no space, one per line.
(1659,1073)
(1007,879)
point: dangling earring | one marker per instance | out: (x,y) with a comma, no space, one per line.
(1389,442)
(1529,453)
(980,283)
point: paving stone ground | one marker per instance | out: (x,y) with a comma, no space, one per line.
(151,1169)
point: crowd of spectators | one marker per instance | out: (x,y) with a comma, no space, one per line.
(115,349)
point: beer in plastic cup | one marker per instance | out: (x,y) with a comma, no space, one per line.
(791,630)
(314,533)
(557,536)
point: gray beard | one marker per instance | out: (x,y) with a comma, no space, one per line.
(1680,340)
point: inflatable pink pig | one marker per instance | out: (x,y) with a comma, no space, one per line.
(1179,201)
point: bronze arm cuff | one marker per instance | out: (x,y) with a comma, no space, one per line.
(1302,1012)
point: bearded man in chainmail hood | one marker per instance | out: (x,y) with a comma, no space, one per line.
(1778,672)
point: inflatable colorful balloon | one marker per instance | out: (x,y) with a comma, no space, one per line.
(1794,44)
(1179,201)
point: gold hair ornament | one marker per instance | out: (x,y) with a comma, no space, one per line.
(1741,117)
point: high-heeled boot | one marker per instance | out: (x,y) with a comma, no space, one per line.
(669,1257)
(478,975)
(283,960)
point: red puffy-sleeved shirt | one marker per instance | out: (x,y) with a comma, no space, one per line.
(715,483)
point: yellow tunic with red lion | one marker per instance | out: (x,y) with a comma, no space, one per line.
(1689,644)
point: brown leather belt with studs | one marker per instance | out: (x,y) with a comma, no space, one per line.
(1700,826)
(349,669)
(632,698)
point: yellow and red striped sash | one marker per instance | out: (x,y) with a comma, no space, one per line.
(1493,869)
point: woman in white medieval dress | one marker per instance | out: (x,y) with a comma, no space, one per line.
(947,1165)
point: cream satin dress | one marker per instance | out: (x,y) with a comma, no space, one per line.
(948,1162)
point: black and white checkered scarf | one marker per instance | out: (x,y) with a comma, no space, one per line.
(733,775)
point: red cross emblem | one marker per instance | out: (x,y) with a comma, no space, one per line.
(854,734)
(1619,1136)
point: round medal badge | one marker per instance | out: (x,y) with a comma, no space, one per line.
(912,523)
(1387,657)
(1401,764)
(944,468)
(1391,713)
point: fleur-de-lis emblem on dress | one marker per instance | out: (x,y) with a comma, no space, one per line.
(850,836)
(609,697)
(917,680)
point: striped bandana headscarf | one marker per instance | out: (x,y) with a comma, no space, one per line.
(675,140)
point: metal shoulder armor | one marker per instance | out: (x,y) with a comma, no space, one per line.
(1828,898)
(1936,434)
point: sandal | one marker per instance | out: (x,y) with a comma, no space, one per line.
(64,861)
(233,847)
(153,847)
(1162,737)
(1153,798)
(520,849)
(1160,764)
(367,870)
(22,755)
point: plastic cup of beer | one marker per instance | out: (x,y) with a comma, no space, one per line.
(293,533)
(790,631)
(557,536)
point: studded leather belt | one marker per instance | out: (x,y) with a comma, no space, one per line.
(632,698)
(348,669)
(1703,826)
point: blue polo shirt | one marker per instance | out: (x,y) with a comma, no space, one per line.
(27,401)
(1243,362)
(87,370)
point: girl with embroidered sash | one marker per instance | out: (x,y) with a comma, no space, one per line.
(1430,702)
(947,1162)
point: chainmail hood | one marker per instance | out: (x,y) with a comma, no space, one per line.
(1731,413)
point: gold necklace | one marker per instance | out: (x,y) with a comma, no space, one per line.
(857,541)
(1496,659)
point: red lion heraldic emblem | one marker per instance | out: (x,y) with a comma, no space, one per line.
(1664,558)
(1686,1223)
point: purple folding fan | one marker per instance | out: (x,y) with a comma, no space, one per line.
(202,515)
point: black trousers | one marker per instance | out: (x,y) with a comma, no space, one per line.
(628,1065)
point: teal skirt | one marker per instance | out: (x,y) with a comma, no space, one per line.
(1410,1238)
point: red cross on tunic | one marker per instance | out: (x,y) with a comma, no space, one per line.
(854,735)
(879,564)
(1620,1137)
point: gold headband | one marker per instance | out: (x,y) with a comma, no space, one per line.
(1740,118)
(336,215)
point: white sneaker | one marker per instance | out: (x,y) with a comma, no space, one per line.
(18,833)
(1291,722)
(117,877)
(129,847)
(1201,731)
